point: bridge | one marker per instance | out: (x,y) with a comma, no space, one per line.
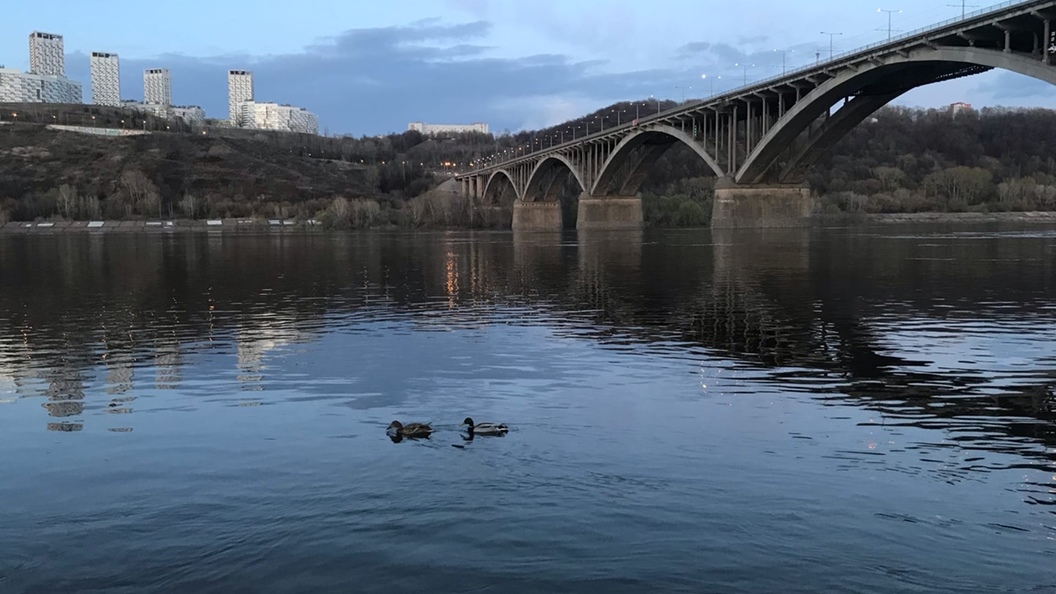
(760,140)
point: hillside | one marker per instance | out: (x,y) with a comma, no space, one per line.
(902,161)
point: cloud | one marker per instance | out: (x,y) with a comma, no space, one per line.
(1010,85)
(371,81)
(368,81)
(694,48)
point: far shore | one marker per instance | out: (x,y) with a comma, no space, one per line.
(312,225)
(934,217)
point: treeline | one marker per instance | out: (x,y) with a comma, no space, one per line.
(912,160)
(900,160)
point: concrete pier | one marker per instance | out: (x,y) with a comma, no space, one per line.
(537,216)
(761,206)
(609,212)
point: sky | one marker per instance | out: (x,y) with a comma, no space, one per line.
(373,67)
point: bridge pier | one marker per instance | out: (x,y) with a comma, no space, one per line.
(609,212)
(760,206)
(537,216)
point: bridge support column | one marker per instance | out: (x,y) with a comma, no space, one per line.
(761,206)
(609,212)
(537,216)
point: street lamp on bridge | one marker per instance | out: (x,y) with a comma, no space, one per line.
(889,13)
(831,37)
(964,6)
(746,67)
(684,89)
(711,82)
(784,56)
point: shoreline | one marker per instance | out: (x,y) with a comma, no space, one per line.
(311,225)
(935,217)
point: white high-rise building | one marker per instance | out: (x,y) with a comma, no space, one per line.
(46,54)
(283,118)
(106,79)
(46,81)
(24,87)
(157,87)
(239,91)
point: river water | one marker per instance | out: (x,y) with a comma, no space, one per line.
(853,410)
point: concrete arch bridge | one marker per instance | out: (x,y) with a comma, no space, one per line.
(761,140)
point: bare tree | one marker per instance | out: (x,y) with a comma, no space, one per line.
(189,205)
(68,201)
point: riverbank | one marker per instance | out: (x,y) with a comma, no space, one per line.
(158,226)
(315,225)
(935,218)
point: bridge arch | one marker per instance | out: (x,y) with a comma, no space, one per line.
(629,163)
(544,182)
(870,87)
(499,183)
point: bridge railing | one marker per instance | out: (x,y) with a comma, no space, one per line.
(878,44)
(744,89)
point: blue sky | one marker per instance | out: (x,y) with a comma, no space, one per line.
(371,67)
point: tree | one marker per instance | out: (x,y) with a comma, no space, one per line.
(189,205)
(960,185)
(890,177)
(141,194)
(339,214)
(67,201)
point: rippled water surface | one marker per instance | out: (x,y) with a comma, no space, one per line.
(866,410)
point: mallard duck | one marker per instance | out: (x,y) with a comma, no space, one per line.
(485,428)
(410,429)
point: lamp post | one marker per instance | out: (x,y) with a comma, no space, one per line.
(831,37)
(711,82)
(684,89)
(784,56)
(964,7)
(746,67)
(657,104)
(889,13)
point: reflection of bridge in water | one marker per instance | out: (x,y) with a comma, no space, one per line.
(770,301)
(761,140)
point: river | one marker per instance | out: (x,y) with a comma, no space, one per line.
(853,410)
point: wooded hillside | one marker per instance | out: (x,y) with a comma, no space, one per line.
(902,160)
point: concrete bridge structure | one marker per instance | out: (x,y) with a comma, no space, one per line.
(761,140)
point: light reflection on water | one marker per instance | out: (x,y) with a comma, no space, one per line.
(867,410)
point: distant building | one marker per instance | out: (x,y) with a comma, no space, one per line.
(193,115)
(161,111)
(959,108)
(46,54)
(239,91)
(46,80)
(157,87)
(280,117)
(431,129)
(106,79)
(24,87)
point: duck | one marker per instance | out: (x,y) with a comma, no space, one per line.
(410,429)
(485,428)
